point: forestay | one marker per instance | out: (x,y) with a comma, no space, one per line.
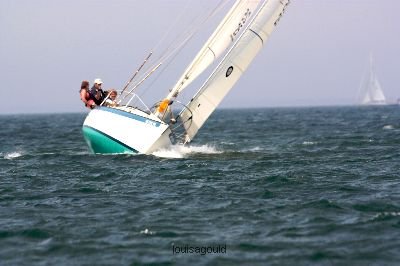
(232,66)
(225,34)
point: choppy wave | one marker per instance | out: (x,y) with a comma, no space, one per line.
(308,143)
(147,232)
(388,127)
(385,215)
(13,155)
(292,187)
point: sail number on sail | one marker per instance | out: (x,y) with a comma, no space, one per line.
(280,14)
(241,24)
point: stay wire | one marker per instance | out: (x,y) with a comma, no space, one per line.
(185,37)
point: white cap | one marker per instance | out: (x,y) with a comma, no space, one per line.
(98,81)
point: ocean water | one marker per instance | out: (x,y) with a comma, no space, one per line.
(274,186)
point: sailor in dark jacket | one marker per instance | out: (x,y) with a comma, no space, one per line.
(96,93)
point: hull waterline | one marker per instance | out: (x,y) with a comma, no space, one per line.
(100,142)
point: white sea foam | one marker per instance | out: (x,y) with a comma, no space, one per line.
(308,143)
(386,214)
(45,242)
(388,127)
(180,151)
(12,155)
(257,148)
(227,143)
(147,232)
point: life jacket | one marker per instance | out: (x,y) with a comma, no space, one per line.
(92,95)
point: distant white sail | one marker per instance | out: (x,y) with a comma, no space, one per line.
(225,34)
(232,66)
(371,88)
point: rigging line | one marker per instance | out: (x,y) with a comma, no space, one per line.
(171,50)
(164,58)
(192,66)
(159,74)
(177,88)
(142,80)
(167,33)
(168,63)
(213,74)
(134,75)
(181,38)
(197,23)
(156,47)
(173,26)
(175,50)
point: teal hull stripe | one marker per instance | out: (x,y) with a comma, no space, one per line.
(100,142)
(129,115)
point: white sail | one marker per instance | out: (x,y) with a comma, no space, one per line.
(366,99)
(225,34)
(232,66)
(377,94)
(373,93)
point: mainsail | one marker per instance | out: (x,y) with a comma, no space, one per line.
(225,34)
(233,65)
(372,89)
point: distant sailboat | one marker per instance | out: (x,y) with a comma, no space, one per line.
(371,90)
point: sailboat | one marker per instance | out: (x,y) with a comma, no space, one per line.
(371,89)
(137,128)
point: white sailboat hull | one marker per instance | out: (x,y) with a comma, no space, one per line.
(124,130)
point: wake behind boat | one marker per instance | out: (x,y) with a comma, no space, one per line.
(133,127)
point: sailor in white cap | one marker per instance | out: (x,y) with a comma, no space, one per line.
(96,93)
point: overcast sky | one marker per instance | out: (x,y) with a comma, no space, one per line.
(316,56)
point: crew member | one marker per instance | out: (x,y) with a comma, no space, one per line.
(96,93)
(85,96)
